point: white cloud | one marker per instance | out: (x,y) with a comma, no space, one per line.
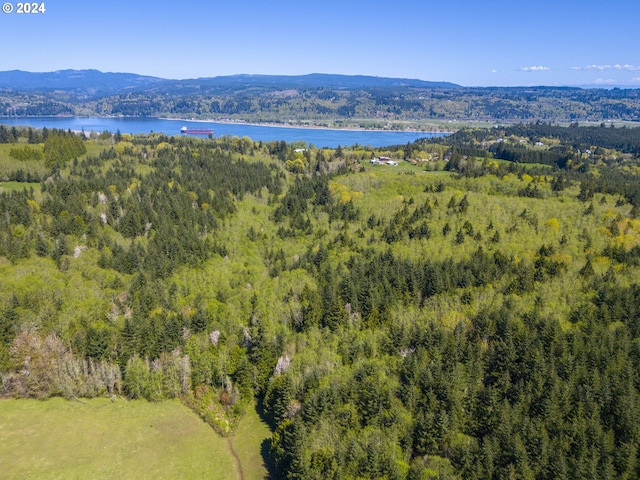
(599,68)
(534,69)
(602,68)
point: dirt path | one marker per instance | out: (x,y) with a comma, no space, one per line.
(236,457)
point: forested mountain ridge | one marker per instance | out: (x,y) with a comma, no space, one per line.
(95,81)
(83,82)
(321,99)
(461,315)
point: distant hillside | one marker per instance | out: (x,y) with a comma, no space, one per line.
(94,82)
(83,81)
(320,80)
(319,99)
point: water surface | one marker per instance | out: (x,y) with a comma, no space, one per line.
(316,136)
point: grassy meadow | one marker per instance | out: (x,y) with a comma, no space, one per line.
(250,441)
(99,438)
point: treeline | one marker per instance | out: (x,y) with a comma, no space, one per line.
(582,156)
(59,147)
(31,135)
(281,103)
(524,155)
(623,139)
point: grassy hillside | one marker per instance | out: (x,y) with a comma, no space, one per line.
(103,439)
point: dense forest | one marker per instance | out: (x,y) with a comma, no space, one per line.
(469,104)
(473,312)
(335,100)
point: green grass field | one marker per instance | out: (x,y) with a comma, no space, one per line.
(248,442)
(101,439)
(12,186)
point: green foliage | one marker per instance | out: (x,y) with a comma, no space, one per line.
(166,377)
(476,323)
(59,148)
(347,102)
(221,409)
(26,153)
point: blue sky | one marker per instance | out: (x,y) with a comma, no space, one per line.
(495,42)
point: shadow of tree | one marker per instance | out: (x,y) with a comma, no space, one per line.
(265,448)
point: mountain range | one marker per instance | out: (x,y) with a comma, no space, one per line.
(96,83)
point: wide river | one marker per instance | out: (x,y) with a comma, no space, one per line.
(316,136)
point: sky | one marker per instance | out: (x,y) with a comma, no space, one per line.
(471,43)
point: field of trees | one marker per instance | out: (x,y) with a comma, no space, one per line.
(471,313)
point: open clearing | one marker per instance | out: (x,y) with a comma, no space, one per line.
(99,438)
(249,440)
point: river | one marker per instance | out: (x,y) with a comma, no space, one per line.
(320,137)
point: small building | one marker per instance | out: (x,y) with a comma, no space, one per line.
(383,161)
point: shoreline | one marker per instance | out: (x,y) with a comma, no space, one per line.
(300,126)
